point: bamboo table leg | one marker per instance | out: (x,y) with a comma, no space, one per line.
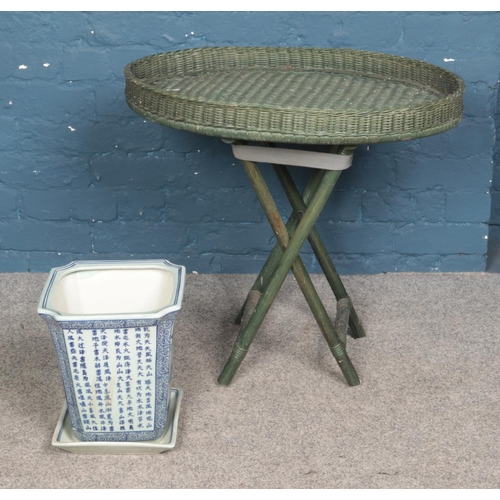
(274,257)
(298,267)
(289,260)
(299,205)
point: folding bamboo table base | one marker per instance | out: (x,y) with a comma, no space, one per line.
(285,256)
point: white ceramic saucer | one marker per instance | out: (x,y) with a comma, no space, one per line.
(64,438)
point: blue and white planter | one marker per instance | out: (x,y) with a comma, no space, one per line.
(112,324)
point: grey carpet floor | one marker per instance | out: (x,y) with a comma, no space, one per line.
(426,415)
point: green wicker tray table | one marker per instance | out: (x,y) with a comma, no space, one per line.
(335,97)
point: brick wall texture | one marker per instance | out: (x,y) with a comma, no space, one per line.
(83,177)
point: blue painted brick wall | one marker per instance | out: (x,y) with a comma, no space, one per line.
(495,193)
(83,177)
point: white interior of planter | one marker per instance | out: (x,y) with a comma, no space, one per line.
(112,291)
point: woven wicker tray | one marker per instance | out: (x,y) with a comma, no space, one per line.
(295,95)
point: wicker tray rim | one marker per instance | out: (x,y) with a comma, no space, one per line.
(448,97)
(199,100)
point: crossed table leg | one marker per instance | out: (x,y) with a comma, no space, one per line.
(285,256)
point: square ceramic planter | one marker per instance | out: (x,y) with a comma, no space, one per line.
(112,324)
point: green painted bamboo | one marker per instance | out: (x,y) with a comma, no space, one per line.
(247,333)
(342,319)
(275,255)
(298,268)
(250,304)
(319,248)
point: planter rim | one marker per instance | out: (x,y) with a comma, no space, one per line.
(58,273)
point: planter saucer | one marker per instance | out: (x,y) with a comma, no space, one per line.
(64,439)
